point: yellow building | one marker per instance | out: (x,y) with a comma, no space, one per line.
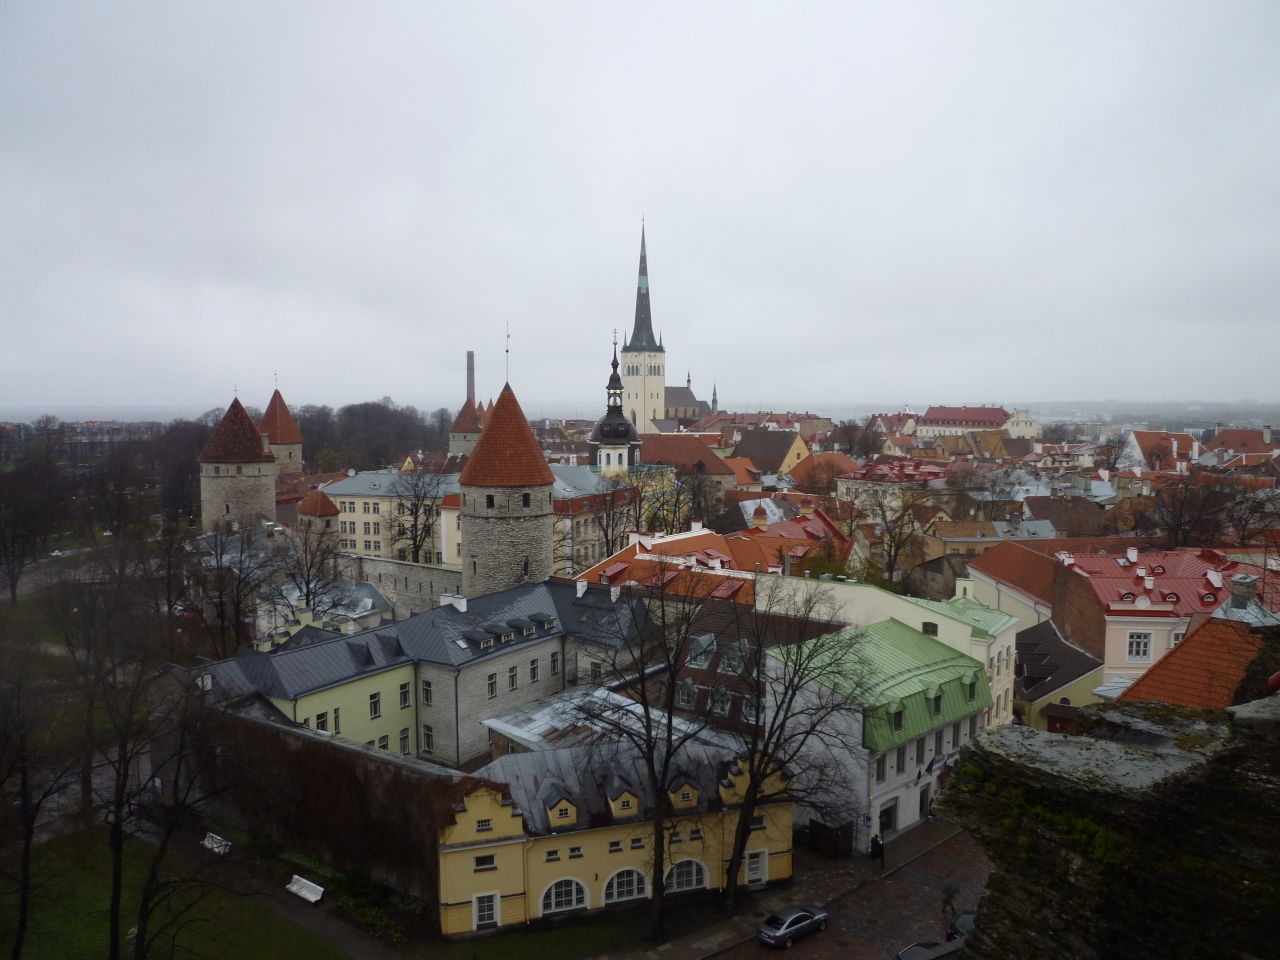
(569,831)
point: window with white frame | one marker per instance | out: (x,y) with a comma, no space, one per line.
(426,693)
(486,862)
(486,909)
(686,875)
(512,677)
(684,698)
(1139,645)
(428,739)
(624,885)
(750,709)
(880,769)
(404,696)
(375,706)
(564,895)
(491,685)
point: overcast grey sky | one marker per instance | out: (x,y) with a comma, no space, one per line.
(848,203)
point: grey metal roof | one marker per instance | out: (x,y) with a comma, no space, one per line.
(588,775)
(1047,663)
(444,635)
(575,482)
(381,483)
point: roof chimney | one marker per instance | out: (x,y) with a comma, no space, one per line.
(456,600)
(1132,554)
(1244,590)
(614,592)
(1149,582)
(471,375)
(582,587)
(1266,434)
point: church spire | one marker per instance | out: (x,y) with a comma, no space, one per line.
(642,337)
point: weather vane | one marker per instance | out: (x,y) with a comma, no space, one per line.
(508,351)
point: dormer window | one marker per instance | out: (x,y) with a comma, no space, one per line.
(1209,598)
(1157,569)
(486,644)
(1171,598)
(624,804)
(508,636)
(548,624)
(1127,598)
(563,813)
(528,631)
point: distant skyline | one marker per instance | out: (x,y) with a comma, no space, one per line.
(965,203)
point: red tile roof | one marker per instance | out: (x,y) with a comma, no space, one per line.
(318,504)
(236,440)
(832,463)
(1015,565)
(507,453)
(278,423)
(1203,671)
(467,420)
(683,451)
(991,417)
(1243,441)
(1183,582)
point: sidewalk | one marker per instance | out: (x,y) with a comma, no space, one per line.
(815,880)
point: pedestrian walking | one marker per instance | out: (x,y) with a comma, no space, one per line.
(877,851)
(949,891)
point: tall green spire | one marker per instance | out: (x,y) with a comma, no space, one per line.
(642,337)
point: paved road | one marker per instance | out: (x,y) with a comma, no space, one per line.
(881,918)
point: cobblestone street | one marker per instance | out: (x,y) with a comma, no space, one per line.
(881,918)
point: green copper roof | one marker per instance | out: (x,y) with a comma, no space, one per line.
(908,671)
(985,622)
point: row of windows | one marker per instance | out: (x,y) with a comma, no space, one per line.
(513,674)
(369,545)
(349,506)
(374,527)
(633,369)
(902,761)
(687,698)
(970,693)
(570,894)
(322,721)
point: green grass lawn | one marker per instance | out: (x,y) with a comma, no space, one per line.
(579,940)
(70,920)
(26,619)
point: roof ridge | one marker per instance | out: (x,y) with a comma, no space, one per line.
(278,423)
(236,439)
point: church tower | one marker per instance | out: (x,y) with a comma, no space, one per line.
(507,519)
(644,361)
(282,434)
(614,442)
(237,473)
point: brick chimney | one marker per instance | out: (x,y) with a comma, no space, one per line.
(1244,590)
(1266,433)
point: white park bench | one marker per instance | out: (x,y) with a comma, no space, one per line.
(216,844)
(311,892)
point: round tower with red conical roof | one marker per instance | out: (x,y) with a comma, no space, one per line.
(282,435)
(237,474)
(507,519)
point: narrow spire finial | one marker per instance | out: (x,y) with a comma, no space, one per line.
(508,351)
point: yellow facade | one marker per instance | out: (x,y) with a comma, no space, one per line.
(1077,693)
(345,709)
(493,873)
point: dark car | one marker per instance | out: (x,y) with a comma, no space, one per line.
(920,949)
(789,924)
(960,927)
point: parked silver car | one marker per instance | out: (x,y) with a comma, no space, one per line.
(789,924)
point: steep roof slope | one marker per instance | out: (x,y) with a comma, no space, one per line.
(1203,671)
(236,440)
(278,423)
(766,448)
(1015,565)
(684,451)
(507,453)
(467,420)
(318,504)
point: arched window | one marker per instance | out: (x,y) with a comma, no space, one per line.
(564,895)
(686,875)
(624,885)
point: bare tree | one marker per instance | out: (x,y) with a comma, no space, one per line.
(645,665)
(892,508)
(615,514)
(228,570)
(1190,514)
(311,576)
(1110,453)
(418,498)
(807,681)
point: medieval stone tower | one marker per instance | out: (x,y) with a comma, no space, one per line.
(644,361)
(282,434)
(238,473)
(507,519)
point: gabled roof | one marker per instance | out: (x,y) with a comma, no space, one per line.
(767,448)
(1013,565)
(684,451)
(1075,515)
(1243,441)
(1183,582)
(507,453)
(1047,663)
(318,504)
(278,423)
(1203,671)
(992,418)
(983,621)
(236,440)
(832,463)
(467,420)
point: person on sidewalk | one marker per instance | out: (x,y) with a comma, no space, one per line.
(877,851)
(949,891)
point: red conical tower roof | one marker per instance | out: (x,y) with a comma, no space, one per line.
(318,504)
(467,420)
(237,439)
(507,453)
(278,423)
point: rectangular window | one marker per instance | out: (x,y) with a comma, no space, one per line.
(376,507)
(553,855)
(512,677)
(750,710)
(533,670)
(377,544)
(368,544)
(597,671)
(366,509)
(575,852)
(428,739)
(684,698)
(920,751)
(1177,636)
(695,834)
(972,692)
(404,741)
(901,760)
(676,838)
(377,529)
(937,705)
(615,846)
(1139,645)
(486,910)
(337,727)
(555,664)
(757,822)
(375,706)
(322,721)
(426,693)
(483,825)
(955,734)
(721,704)
(637,843)
(487,862)
(937,741)
(404,696)
(384,743)
(492,685)
(973,726)
(367,525)
(897,720)
(880,769)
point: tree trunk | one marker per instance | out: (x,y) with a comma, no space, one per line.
(117,848)
(24,864)
(740,837)
(86,757)
(657,920)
